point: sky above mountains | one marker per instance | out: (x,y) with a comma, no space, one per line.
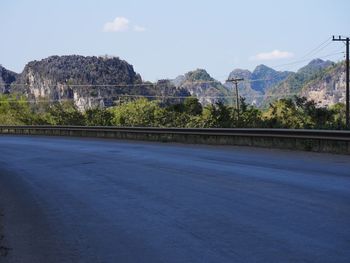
(163,39)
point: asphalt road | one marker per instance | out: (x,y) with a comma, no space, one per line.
(85,200)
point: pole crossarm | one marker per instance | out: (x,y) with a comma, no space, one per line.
(234,80)
(339,38)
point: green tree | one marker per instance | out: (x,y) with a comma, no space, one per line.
(98,117)
(15,110)
(65,113)
(339,113)
(215,116)
(250,116)
(139,113)
(284,114)
(192,106)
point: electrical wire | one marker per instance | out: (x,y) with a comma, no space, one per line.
(155,85)
(158,97)
(303,60)
(319,48)
(115,85)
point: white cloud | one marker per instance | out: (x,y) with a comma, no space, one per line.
(273,55)
(139,28)
(119,24)
(122,24)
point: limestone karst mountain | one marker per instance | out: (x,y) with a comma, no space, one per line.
(107,81)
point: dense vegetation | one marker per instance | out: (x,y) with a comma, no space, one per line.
(284,113)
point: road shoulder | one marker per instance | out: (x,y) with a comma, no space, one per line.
(28,237)
(4,249)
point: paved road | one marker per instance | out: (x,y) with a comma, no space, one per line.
(83,200)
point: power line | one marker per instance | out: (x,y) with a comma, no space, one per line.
(118,85)
(336,52)
(161,85)
(303,60)
(313,51)
(160,97)
(275,78)
(318,48)
(89,85)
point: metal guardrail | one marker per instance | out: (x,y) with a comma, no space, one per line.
(242,132)
(310,140)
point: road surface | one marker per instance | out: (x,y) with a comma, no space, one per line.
(90,200)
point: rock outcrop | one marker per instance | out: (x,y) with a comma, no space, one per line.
(7,77)
(201,85)
(87,81)
(327,88)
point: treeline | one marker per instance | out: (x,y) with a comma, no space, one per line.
(293,113)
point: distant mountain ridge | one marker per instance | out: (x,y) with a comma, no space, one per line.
(201,85)
(107,81)
(264,77)
(256,83)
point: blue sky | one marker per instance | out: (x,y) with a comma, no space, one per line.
(163,39)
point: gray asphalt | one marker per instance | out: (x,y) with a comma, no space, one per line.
(86,200)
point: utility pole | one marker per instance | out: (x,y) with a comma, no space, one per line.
(235,81)
(347,78)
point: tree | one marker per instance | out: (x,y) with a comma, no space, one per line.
(64,113)
(299,113)
(215,116)
(320,117)
(192,106)
(98,117)
(139,113)
(284,114)
(250,117)
(339,113)
(15,110)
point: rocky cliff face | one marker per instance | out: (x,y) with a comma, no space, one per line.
(88,81)
(7,77)
(294,83)
(327,88)
(201,85)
